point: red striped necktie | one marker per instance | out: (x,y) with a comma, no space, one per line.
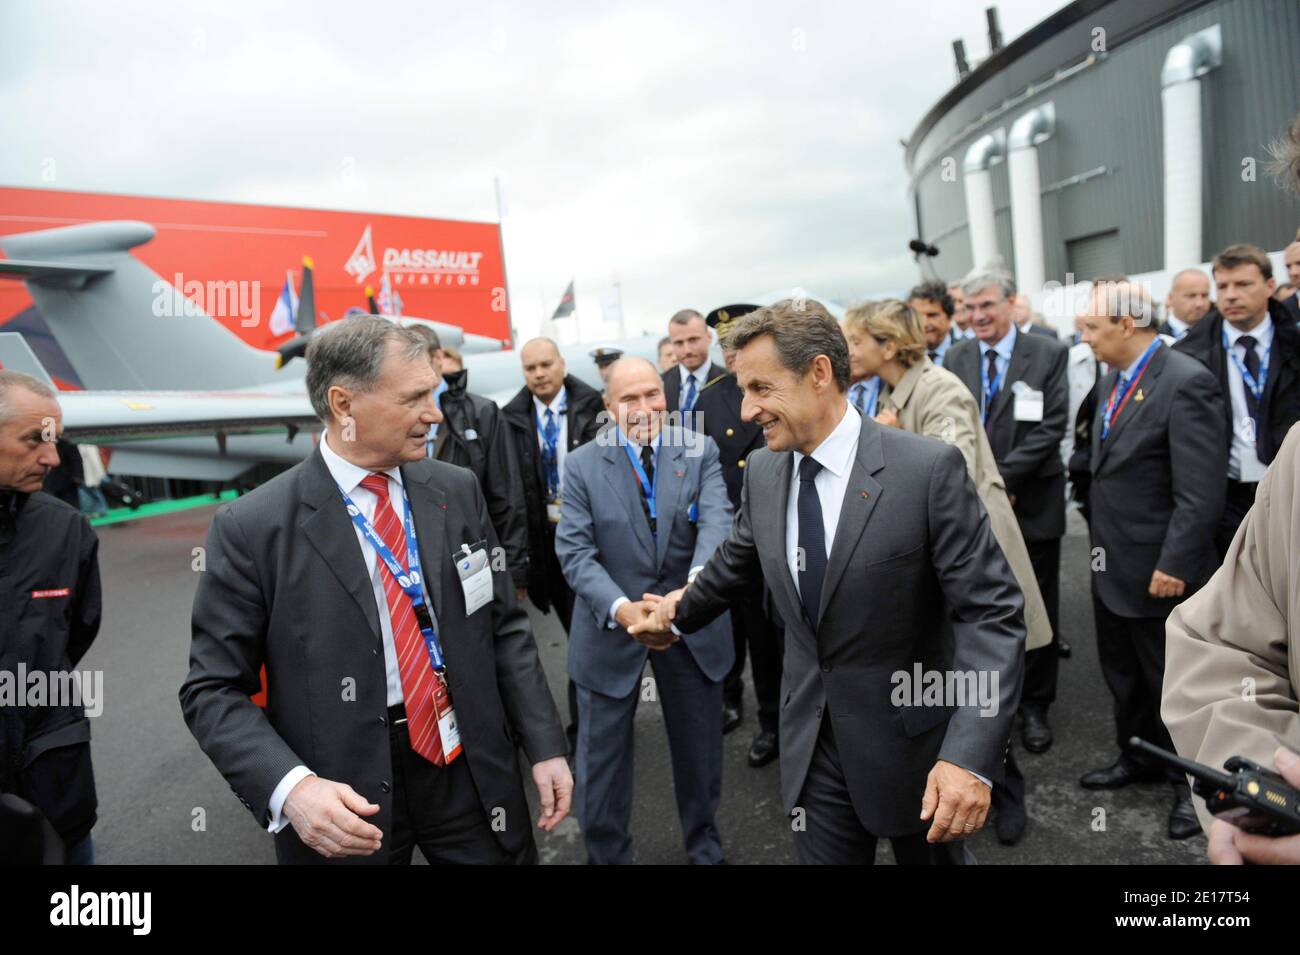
(413,664)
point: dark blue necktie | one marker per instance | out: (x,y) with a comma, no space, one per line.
(812,541)
(689,403)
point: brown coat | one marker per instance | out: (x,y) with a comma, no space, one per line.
(1232,650)
(935,402)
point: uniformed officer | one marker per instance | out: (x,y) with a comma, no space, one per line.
(604,356)
(752,620)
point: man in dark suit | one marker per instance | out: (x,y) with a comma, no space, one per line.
(752,625)
(1252,347)
(1158,457)
(691,342)
(931,301)
(401,674)
(551,416)
(1019,381)
(884,568)
(644,507)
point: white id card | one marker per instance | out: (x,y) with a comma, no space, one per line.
(1028,406)
(553,511)
(475,574)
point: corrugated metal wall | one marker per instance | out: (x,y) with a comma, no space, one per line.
(1109,116)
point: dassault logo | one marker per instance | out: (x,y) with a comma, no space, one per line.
(415,266)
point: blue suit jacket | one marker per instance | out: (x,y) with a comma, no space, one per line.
(606,550)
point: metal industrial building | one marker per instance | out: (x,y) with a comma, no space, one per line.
(1115,136)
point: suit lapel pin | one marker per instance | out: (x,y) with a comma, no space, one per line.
(866,495)
(680,474)
(1138,396)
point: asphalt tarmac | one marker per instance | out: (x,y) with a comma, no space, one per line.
(161,801)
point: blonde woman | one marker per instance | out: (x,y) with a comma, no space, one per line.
(887,339)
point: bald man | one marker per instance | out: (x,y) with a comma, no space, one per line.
(1187,302)
(551,416)
(644,507)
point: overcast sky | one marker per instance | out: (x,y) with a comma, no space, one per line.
(696,153)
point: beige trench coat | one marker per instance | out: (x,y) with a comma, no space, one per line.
(1232,649)
(936,403)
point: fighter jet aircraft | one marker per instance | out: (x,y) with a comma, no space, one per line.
(174,392)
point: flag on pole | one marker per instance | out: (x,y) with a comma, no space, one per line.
(565,308)
(390,302)
(286,307)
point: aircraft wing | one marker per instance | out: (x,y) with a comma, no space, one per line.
(117,417)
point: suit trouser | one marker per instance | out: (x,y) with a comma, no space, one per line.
(1240,499)
(561,597)
(438,809)
(692,708)
(1042,664)
(1132,655)
(832,834)
(751,626)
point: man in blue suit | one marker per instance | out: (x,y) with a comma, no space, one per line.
(644,507)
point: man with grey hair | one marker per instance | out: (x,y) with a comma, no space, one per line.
(870,593)
(401,673)
(49,616)
(1019,381)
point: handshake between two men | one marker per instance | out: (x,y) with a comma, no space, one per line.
(649,620)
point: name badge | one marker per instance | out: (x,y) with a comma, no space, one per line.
(448,728)
(475,572)
(1029,405)
(553,511)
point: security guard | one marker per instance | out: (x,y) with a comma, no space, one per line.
(49,616)
(752,623)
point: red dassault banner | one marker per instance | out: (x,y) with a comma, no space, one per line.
(442,269)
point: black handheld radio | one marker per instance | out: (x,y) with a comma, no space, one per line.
(1251,798)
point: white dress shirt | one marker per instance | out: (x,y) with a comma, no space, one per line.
(836,455)
(1243,461)
(348,476)
(1003,350)
(1177,325)
(557,407)
(701,376)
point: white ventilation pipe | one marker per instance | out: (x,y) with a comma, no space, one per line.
(1180,81)
(1032,128)
(986,152)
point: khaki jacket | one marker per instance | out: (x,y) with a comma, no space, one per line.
(1232,650)
(935,402)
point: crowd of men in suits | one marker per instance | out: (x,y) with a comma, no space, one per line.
(697,517)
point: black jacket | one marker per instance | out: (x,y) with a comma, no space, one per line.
(1157,485)
(583,409)
(473,436)
(1028,452)
(673,385)
(49,616)
(1281,405)
(719,406)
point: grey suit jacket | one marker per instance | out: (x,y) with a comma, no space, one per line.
(1158,484)
(913,544)
(604,545)
(286,587)
(1028,452)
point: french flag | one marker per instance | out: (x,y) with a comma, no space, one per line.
(286,307)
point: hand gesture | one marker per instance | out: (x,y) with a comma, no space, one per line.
(327,817)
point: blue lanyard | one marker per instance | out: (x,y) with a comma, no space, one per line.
(410,582)
(991,391)
(1247,379)
(1113,407)
(646,486)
